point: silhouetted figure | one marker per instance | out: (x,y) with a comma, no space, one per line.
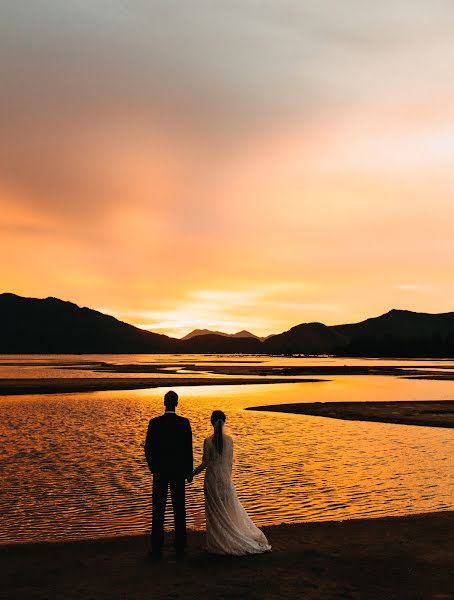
(168,450)
(229,527)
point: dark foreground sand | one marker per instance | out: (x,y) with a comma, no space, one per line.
(378,559)
(13,387)
(435,413)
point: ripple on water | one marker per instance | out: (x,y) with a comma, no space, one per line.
(73,466)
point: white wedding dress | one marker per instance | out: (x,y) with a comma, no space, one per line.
(229,528)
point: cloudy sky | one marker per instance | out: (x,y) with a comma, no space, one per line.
(228,164)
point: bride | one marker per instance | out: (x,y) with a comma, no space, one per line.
(229,528)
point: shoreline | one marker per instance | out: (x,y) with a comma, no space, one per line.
(16,387)
(434,413)
(389,557)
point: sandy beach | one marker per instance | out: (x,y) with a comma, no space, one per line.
(374,559)
(427,413)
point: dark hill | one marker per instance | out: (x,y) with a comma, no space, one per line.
(30,325)
(307,338)
(401,333)
(400,322)
(221,344)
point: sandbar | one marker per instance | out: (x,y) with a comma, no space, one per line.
(435,413)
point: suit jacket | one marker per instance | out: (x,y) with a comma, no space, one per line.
(168,446)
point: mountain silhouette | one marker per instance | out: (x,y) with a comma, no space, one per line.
(401,333)
(245,334)
(307,338)
(239,334)
(404,323)
(221,344)
(53,326)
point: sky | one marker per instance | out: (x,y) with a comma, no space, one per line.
(237,164)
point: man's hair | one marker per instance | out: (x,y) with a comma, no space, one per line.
(171,399)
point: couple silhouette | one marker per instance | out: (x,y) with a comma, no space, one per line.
(169,454)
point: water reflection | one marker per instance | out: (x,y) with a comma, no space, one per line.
(77,366)
(73,465)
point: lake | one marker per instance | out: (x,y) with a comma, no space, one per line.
(72,465)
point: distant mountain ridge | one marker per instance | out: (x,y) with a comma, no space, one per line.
(53,326)
(239,334)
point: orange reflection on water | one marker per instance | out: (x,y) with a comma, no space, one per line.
(80,471)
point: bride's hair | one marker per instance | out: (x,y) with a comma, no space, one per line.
(217,420)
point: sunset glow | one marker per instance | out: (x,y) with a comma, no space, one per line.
(229,165)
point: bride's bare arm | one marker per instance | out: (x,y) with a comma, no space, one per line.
(203,465)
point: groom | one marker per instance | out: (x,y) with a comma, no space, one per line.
(168,450)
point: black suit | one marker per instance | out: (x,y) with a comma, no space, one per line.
(168,450)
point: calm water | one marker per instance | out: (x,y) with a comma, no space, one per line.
(72,465)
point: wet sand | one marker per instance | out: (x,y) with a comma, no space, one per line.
(262,369)
(404,558)
(427,413)
(170,374)
(12,387)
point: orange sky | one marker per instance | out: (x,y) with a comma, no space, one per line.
(229,165)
